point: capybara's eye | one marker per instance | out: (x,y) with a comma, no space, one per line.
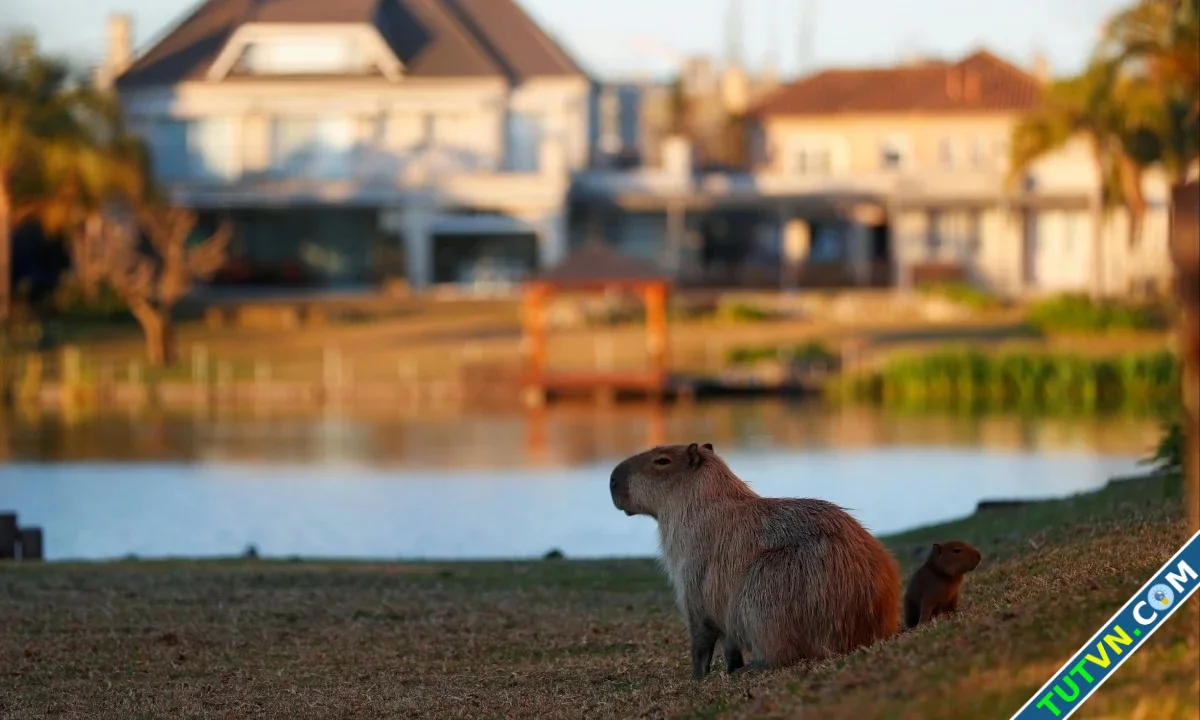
(662,461)
(957,550)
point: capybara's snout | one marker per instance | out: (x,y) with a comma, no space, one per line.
(618,486)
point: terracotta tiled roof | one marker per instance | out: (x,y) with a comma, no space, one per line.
(980,82)
(596,262)
(433,38)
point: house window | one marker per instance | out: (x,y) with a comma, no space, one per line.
(893,154)
(814,161)
(933,236)
(955,230)
(828,243)
(303,56)
(307,146)
(974,239)
(1001,150)
(523,142)
(1070,232)
(979,156)
(195,149)
(946,155)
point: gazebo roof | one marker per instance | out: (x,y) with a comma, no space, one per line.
(595,263)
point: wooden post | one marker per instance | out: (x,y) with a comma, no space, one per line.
(30,542)
(72,367)
(333,367)
(31,381)
(200,364)
(262,372)
(536,437)
(8,536)
(224,375)
(656,326)
(1185,252)
(657,430)
(534,322)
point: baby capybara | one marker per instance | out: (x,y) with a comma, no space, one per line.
(935,586)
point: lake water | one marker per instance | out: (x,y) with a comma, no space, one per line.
(506,487)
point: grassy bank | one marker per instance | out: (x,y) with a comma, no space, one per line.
(968,379)
(578,639)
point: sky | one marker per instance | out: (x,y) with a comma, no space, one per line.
(628,37)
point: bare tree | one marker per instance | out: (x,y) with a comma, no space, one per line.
(151,277)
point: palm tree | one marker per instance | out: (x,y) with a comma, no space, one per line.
(1118,116)
(1158,43)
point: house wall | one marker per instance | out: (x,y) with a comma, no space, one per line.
(417,147)
(964,159)
(856,143)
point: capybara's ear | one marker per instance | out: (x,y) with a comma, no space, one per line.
(694,456)
(937,549)
(707,446)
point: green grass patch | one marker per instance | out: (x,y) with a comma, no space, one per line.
(972,380)
(808,352)
(1079,313)
(961,293)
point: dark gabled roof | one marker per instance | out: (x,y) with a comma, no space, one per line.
(979,82)
(597,263)
(433,38)
(514,38)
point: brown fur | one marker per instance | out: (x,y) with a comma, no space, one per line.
(935,586)
(779,579)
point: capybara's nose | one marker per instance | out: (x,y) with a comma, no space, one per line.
(616,482)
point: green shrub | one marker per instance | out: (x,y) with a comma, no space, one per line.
(809,352)
(963,379)
(743,312)
(961,293)
(71,302)
(1168,454)
(1079,313)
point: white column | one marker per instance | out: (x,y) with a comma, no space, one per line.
(254,143)
(860,253)
(552,238)
(796,240)
(418,244)
(676,230)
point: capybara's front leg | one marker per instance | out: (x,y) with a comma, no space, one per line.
(733,656)
(704,642)
(927,611)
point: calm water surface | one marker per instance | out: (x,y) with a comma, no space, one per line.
(505,486)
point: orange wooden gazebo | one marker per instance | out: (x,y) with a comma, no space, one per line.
(596,267)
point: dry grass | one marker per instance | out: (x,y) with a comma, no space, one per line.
(568,639)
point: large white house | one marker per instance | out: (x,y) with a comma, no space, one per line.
(349,139)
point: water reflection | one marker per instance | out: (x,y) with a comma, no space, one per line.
(560,437)
(505,486)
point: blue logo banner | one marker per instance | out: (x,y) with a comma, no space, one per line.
(1119,638)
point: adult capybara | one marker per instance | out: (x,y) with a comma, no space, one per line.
(779,579)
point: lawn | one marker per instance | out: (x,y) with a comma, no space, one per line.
(576,639)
